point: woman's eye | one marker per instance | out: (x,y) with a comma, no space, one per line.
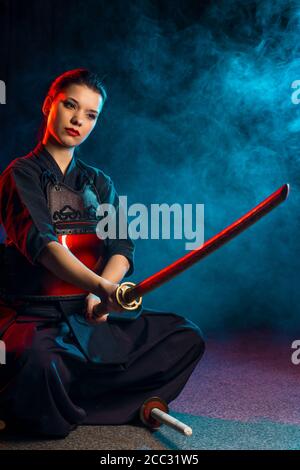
(92,116)
(69,104)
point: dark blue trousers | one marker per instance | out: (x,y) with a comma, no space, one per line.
(62,371)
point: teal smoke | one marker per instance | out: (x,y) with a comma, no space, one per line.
(199,111)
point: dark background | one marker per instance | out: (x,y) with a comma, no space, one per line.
(199,110)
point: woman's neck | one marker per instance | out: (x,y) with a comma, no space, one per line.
(62,155)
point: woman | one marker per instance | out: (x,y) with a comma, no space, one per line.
(68,361)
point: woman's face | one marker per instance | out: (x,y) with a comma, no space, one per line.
(72,114)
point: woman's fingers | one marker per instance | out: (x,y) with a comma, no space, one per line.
(91,301)
(97,310)
(100,313)
(101,319)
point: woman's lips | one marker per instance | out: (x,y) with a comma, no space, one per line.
(72,132)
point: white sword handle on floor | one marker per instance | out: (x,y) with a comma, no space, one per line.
(172,422)
(154,412)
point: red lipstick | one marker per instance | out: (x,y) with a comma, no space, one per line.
(71,131)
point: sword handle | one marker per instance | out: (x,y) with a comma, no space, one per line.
(121,297)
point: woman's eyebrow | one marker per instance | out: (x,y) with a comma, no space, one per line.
(93,110)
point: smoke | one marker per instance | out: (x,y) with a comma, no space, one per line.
(209,119)
(199,110)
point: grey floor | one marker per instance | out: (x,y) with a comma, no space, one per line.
(244,394)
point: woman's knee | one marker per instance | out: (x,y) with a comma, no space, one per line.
(41,363)
(195,337)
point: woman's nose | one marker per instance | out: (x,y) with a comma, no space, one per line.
(77,120)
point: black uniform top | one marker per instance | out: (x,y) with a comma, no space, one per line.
(24,211)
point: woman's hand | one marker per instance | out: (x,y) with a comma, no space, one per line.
(92,301)
(98,309)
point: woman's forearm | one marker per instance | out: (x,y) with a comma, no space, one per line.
(116,268)
(61,262)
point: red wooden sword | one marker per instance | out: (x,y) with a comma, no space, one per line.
(129,295)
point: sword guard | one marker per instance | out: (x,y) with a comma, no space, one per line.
(120,297)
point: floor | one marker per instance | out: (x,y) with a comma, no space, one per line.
(244,394)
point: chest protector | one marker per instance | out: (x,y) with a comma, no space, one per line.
(75,220)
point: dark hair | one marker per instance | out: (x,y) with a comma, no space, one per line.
(79,76)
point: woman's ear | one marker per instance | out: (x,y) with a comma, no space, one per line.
(47,105)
